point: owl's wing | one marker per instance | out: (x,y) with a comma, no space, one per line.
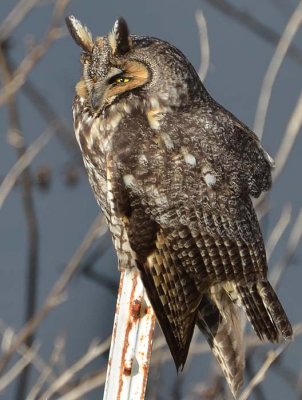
(234,167)
(175,277)
(171,290)
(193,229)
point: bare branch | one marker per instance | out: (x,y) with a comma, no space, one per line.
(47,371)
(46,110)
(56,295)
(18,368)
(16,138)
(94,351)
(278,230)
(86,386)
(37,362)
(254,25)
(292,130)
(23,162)
(28,63)
(292,244)
(204,45)
(260,375)
(16,16)
(270,76)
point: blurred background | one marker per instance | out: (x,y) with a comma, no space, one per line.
(57,262)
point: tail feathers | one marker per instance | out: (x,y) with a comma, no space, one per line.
(264,311)
(218,320)
(275,310)
(257,313)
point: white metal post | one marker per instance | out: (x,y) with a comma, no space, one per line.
(131,343)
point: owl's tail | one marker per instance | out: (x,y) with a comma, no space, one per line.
(218,320)
(265,312)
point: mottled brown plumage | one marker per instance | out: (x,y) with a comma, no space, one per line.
(174,173)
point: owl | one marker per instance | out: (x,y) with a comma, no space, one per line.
(174,173)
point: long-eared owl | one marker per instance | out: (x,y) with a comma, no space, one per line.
(174,172)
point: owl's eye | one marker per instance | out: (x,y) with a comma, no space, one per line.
(121,80)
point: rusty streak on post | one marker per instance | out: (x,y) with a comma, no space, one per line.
(131,344)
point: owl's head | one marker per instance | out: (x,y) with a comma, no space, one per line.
(134,70)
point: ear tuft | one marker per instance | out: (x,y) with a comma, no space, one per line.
(119,38)
(80,33)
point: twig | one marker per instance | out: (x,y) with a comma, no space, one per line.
(271,357)
(16,16)
(288,375)
(93,382)
(289,138)
(88,271)
(94,351)
(56,295)
(262,206)
(47,111)
(18,368)
(23,162)
(270,76)
(47,371)
(292,244)
(250,372)
(260,375)
(37,362)
(204,45)
(15,131)
(28,63)
(131,345)
(254,25)
(101,279)
(278,230)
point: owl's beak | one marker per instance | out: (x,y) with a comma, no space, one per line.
(99,91)
(97,98)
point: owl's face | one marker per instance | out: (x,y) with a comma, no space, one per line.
(141,72)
